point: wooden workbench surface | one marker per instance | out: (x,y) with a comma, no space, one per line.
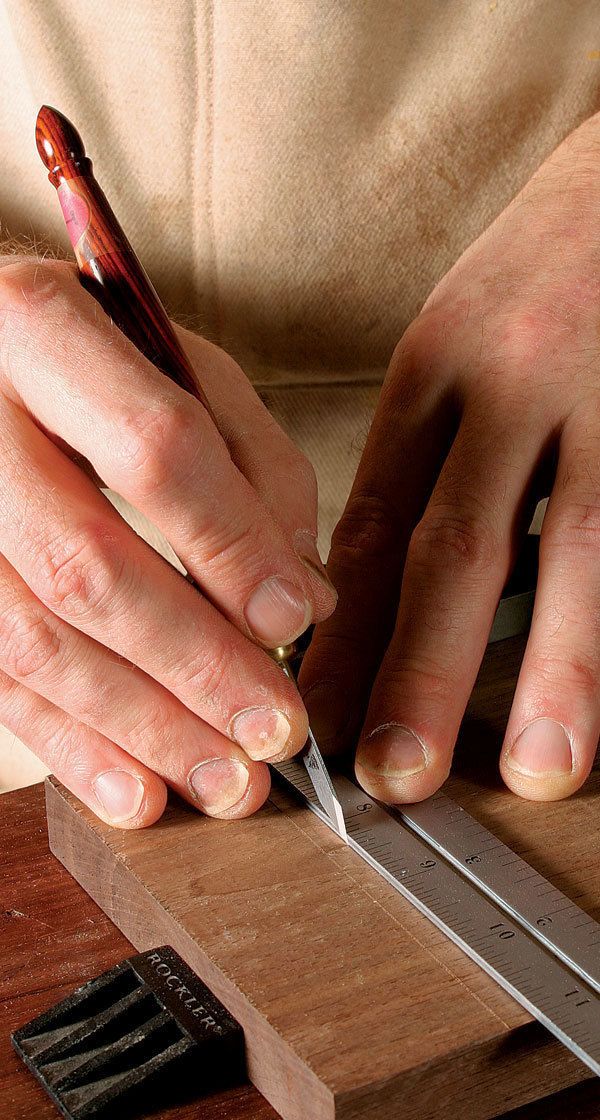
(53,938)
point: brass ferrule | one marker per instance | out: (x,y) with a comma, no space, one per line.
(282,653)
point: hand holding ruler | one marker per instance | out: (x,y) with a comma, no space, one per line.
(532,940)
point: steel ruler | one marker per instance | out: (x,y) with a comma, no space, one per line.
(540,947)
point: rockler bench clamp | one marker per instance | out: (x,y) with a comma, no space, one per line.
(144,1034)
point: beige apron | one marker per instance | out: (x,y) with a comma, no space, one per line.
(296,174)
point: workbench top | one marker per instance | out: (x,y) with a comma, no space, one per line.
(53,938)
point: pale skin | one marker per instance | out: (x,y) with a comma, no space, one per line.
(126,680)
(116,671)
(492,400)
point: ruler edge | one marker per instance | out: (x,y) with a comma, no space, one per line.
(537,1015)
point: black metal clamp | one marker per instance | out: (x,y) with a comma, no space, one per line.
(147,1032)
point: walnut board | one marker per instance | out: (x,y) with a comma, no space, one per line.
(353,1005)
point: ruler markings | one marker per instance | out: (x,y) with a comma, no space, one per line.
(422,854)
(501,881)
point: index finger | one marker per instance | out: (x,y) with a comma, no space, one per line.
(156,446)
(369,545)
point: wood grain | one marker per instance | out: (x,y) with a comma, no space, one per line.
(352,1003)
(53,938)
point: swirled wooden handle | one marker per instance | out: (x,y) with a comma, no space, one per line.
(108,266)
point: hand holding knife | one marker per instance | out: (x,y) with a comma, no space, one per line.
(112,273)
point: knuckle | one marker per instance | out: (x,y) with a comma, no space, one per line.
(29,643)
(207,674)
(405,677)
(229,545)
(160,444)
(78,572)
(421,351)
(98,693)
(10,689)
(153,733)
(571,674)
(576,527)
(415,347)
(28,288)
(522,336)
(452,539)
(30,279)
(59,744)
(369,527)
(417,368)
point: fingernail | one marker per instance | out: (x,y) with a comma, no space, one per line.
(542,748)
(277,611)
(262,732)
(392,751)
(120,794)
(305,545)
(329,712)
(218,783)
